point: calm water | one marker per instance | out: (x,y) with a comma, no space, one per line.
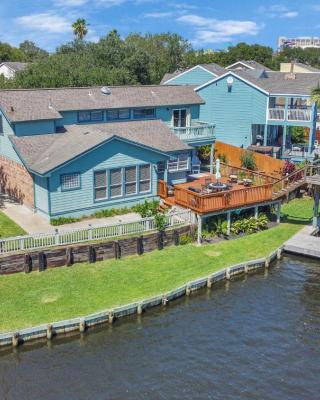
(256,338)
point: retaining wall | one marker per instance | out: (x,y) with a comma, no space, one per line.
(82,323)
(67,255)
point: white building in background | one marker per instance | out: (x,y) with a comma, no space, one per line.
(9,69)
(302,42)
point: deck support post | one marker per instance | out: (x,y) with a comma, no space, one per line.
(284,139)
(256,212)
(316,207)
(278,212)
(228,223)
(211,158)
(199,240)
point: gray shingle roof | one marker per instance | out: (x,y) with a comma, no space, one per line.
(212,67)
(276,82)
(15,66)
(43,153)
(39,104)
(250,63)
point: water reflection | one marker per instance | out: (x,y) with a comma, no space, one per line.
(255,338)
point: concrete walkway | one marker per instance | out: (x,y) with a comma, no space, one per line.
(303,243)
(34,223)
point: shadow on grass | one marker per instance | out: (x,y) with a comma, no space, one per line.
(292,219)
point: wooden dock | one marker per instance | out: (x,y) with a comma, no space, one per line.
(304,243)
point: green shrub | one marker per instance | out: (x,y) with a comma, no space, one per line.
(248,160)
(147,209)
(160,220)
(64,220)
(186,238)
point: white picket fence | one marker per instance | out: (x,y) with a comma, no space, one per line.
(67,237)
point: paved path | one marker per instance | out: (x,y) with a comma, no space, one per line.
(34,223)
(303,243)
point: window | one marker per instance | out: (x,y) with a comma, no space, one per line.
(115,182)
(144,113)
(70,181)
(145,178)
(130,180)
(88,116)
(181,163)
(179,118)
(1,125)
(123,113)
(100,185)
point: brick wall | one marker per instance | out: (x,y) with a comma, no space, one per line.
(16,181)
(62,256)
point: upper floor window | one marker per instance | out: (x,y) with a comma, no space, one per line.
(144,113)
(70,181)
(1,125)
(179,118)
(123,113)
(88,116)
(181,163)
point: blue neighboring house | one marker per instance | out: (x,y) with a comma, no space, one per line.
(74,151)
(251,105)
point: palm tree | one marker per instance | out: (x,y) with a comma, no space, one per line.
(80,28)
(315,95)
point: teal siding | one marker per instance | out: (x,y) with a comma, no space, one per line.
(111,155)
(198,76)
(41,194)
(6,148)
(34,127)
(233,112)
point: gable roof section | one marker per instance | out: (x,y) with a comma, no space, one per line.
(213,68)
(15,66)
(39,104)
(250,64)
(44,153)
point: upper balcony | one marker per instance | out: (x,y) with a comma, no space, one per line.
(291,114)
(198,131)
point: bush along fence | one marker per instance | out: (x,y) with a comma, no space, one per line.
(81,324)
(68,255)
(74,236)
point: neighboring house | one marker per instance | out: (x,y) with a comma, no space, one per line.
(297,67)
(74,151)
(9,69)
(303,42)
(253,106)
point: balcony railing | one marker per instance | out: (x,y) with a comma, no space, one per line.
(293,114)
(197,131)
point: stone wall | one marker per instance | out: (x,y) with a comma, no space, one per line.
(61,256)
(16,181)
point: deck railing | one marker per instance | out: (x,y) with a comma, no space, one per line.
(74,236)
(292,114)
(258,177)
(162,189)
(277,114)
(196,131)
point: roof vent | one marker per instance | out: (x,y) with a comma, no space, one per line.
(290,76)
(105,90)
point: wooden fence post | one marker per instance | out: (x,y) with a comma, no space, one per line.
(27,263)
(69,256)
(140,249)
(160,240)
(91,254)
(117,250)
(176,238)
(42,261)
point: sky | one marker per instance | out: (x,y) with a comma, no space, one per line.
(208,24)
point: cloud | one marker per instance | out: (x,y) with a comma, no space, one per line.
(278,11)
(46,22)
(159,14)
(78,3)
(211,30)
(70,3)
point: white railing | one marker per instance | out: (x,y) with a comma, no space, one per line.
(277,114)
(73,236)
(299,115)
(197,131)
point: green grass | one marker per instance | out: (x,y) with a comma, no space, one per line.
(61,293)
(8,227)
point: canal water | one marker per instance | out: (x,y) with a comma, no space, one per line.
(254,338)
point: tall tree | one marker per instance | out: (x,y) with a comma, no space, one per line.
(80,28)
(31,51)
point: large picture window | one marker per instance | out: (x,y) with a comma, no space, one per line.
(144,113)
(100,185)
(179,118)
(145,178)
(130,174)
(70,181)
(88,116)
(114,115)
(115,182)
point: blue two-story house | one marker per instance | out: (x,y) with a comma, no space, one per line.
(74,151)
(250,105)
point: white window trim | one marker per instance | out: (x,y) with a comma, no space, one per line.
(175,165)
(188,117)
(70,176)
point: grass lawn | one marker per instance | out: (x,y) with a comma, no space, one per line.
(68,292)
(8,227)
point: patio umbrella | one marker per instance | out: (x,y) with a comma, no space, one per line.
(218,175)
